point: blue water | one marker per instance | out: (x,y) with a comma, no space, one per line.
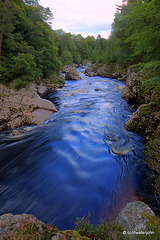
(82,160)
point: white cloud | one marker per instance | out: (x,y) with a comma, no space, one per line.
(91,17)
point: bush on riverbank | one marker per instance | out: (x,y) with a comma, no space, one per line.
(103,230)
(110,231)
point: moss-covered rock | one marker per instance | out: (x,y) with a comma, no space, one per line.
(73,235)
(153,222)
(130,217)
(28,227)
(32,231)
(144,87)
(110,70)
(144,121)
(131,92)
(152,157)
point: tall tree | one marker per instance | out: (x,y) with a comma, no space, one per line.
(6,21)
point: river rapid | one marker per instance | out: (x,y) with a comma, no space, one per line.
(82,160)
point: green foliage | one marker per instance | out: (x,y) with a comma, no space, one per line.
(84,226)
(108,231)
(31,231)
(24,66)
(73,235)
(66,58)
(150,90)
(135,33)
(152,150)
(27,43)
(111,231)
(101,231)
(19,83)
(144,110)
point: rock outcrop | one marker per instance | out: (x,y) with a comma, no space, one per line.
(134,216)
(71,73)
(131,91)
(25,106)
(144,121)
(104,70)
(26,226)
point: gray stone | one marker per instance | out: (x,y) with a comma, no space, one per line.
(131,91)
(25,106)
(9,223)
(131,216)
(143,124)
(71,73)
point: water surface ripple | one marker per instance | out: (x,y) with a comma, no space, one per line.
(82,160)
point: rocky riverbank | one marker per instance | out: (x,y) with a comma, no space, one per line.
(26,106)
(104,70)
(135,217)
(144,93)
(146,119)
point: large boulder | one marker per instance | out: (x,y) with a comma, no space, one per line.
(131,91)
(71,73)
(26,226)
(90,70)
(144,121)
(135,216)
(12,225)
(23,107)
(104,70)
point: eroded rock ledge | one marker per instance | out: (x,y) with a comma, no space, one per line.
(25,106)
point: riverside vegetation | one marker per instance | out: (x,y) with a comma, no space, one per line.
(31,51)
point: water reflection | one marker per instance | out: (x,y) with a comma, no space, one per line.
(82,160)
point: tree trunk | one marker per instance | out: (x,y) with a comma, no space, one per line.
(1,38)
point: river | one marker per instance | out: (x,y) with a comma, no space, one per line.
(82,160)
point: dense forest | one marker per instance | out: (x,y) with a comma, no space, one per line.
(30,49)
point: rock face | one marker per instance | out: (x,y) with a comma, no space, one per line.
(131,91)
(24,107)
(104,70)
(10,223)
(71,73)
(25,226)
(144,121)
(133,216)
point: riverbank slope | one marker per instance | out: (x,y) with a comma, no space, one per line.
(143,91)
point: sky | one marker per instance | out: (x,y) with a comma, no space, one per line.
(85,17)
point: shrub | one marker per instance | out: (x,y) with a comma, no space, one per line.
(101,231)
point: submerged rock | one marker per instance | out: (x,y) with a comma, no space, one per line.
(133,217)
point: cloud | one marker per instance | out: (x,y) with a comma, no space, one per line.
(82,16)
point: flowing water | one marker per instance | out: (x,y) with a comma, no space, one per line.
(82,160)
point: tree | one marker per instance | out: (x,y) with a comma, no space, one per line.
(26,41)
(6,21)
